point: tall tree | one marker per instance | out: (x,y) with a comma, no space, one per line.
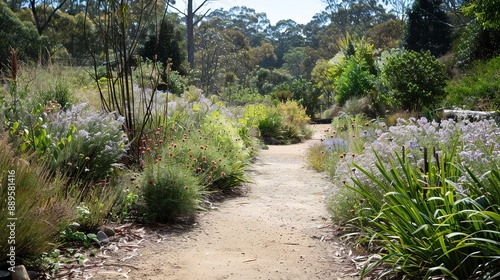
(427,28)
(286,34)
(192,19)
(252,24)
(169,43)
(43,12)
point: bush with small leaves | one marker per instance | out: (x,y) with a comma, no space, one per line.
(416,80)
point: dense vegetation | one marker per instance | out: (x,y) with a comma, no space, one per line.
(136,110)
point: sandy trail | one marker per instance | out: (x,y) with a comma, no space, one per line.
(279,230)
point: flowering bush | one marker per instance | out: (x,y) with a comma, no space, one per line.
(477,145)
(204,153)
(96,146)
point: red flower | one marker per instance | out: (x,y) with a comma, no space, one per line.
(151,182)
(202,147)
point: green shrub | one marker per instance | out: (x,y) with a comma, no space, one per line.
(170,191)
(60,94)
(354,81)
(316,157)
(270,126)
(478,89)
(96,146)
(41,208)
(416,80)
(476,44)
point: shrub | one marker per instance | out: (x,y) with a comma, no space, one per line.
(41,208)
(315,155)
(60,94)
(478,89)
(96,146)
(170,191)
(358,106)
(354,81)
(416,80)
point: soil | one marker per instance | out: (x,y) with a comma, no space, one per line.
(278,229)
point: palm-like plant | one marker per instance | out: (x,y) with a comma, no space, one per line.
(428,226)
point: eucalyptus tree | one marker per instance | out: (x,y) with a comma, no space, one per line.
(285,35)
(356,16)
(313,30)
(43,11)
(252,24)
(25,40)
(427,28)
(194,14)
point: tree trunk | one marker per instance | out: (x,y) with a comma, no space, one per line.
(190,33)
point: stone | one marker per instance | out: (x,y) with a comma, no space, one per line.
(102,237)
(20,273)
(107,230)
(4,274)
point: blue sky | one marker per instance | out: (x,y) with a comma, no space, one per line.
(300,11)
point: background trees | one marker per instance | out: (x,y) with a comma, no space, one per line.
(238,50)
(427,28)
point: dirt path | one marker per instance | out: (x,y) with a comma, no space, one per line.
(279,230)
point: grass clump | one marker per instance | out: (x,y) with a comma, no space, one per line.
(170,191)
(429,224)
(41,208)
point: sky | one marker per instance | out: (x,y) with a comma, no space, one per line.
(301,11)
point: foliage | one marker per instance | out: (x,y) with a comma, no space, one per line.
(167,45)
(96,146)
(478,88)
(477,43)
(416,80)
(386,35)
(427,28)
(68,235)
(19,35)
(355,81)
(477,149)
(306,95)
(36,198)
(59,93)
(486,12)
(358,106)
(198,148)
(169,191)
(120,28)
(315,157)
(427,225)
(294,62)
(281,124)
